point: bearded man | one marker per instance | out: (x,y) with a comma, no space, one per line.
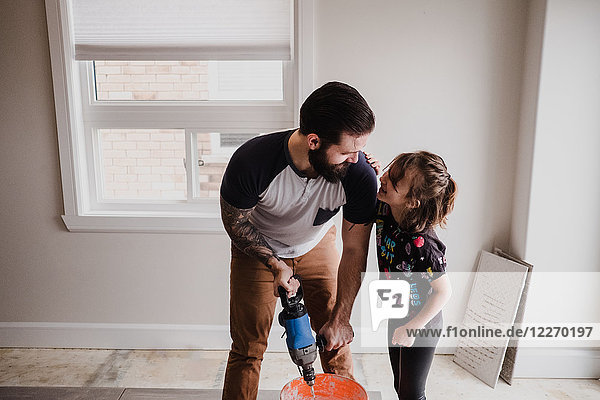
(278,196)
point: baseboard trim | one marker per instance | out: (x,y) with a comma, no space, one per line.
(133,336)
(557,363)
(114,336)
(530,363)
(137,336)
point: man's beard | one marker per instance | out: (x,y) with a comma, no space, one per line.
(331,172)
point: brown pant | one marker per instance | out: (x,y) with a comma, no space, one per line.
(252,306)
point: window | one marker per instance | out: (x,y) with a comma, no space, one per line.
(188,80)
(153,97)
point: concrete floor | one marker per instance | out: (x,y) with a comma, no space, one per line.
(195,369)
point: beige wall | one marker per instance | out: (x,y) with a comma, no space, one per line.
(440,77)
(51,275)
(443,76)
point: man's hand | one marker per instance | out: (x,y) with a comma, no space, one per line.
(248,239)
(283,277)
(337,334)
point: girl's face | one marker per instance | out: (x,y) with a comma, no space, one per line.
(396,197)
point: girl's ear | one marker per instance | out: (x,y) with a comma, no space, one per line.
(414,203)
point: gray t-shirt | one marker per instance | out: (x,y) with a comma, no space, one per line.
(291,211)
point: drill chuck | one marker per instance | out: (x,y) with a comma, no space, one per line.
(309,376)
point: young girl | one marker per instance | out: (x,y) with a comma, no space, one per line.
(416,195)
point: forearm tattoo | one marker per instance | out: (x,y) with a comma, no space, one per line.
(244,235)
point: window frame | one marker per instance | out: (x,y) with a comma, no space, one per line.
(79,114)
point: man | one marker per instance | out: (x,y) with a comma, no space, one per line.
(278,196)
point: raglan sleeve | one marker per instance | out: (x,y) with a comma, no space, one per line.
(360,185)
(239,186)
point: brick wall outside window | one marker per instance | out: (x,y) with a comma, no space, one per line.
(149,163)
(143,164)
(151,80)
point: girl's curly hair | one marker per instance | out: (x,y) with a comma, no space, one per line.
(432,190)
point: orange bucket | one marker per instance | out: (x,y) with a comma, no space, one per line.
(327,386)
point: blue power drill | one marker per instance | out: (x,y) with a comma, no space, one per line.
(301,344)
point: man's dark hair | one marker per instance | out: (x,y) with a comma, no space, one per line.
(333,109)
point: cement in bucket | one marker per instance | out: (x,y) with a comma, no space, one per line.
(327,386)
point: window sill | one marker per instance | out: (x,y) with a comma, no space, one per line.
(180,223)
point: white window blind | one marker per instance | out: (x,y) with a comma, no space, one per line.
(151,30)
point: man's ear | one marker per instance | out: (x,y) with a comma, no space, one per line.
(313,140)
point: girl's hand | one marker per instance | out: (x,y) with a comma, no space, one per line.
(373,162)
(401,337)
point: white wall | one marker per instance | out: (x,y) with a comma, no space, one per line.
(440,77)
(565,188)
(443,76)
(536,18)
(556,226)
